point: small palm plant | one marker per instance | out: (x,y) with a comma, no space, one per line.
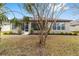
(3,18)
(17,24)
(26,19)
(0,31)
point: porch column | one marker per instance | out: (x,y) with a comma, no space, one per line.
(29,27)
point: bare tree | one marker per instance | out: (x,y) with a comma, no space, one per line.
(42,13)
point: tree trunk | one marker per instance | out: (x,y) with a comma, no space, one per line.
(41,44)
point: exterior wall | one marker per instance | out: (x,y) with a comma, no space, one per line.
(74,28)
(29,26)
(67,27)
(74,25)
(6,26)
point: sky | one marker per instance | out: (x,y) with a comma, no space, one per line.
(69,14)
(18,12)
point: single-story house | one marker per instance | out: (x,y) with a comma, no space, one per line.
(59,26)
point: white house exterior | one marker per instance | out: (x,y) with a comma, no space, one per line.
(6,26)
(58,27)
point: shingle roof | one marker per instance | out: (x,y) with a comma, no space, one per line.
(74,23)
(53,20)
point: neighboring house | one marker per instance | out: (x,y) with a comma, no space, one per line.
(58,27)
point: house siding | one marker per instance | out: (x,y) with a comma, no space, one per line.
(6,26)
(66,24)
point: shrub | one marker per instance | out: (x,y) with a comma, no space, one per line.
(62,33)
(19,31)
(0,28)
(31,31)
(7,33)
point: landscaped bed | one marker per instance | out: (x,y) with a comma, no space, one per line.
(27,45)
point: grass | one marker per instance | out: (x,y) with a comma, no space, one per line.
(57,45)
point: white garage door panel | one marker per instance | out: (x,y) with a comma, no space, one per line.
(5,28)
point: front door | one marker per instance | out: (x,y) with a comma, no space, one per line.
(26,27)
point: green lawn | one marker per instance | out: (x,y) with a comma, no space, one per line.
(27,45)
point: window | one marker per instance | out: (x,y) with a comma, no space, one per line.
(63,27)
(58,27)
(5,24)
(13,26)
(35,26)
(54,26)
